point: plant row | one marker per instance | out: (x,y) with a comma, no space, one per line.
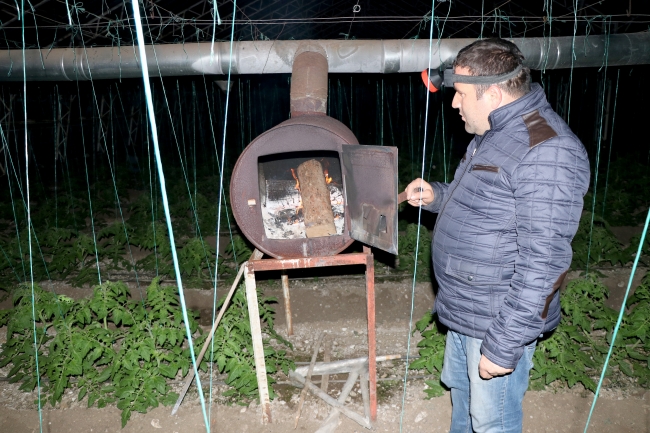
(123,348)
(575,352)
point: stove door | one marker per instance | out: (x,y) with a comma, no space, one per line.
(370,181)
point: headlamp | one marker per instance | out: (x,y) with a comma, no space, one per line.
(434,79)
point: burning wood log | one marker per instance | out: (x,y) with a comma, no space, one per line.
(317,208)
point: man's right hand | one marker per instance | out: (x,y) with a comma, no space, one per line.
(419,193)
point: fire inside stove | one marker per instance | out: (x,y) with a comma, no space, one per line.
(284,214)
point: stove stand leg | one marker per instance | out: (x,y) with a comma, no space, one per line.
(258,347)
(287,303)
(372,349)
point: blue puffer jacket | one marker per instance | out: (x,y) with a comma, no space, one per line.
(502,241)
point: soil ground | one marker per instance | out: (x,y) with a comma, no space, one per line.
(336,305)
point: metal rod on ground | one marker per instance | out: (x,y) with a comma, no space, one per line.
(190,375)
(324,381)
(363,385)
(332,421)
(308,378)
(331,401)
(343,365)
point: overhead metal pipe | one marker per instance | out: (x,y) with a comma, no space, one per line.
(273,57)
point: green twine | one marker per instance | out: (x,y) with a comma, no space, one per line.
(417,242)
(611,143)
(482,18)
(90,201)
(216,18)
(56,154)
(433,146)
(548,7)
(600,132)
(382,112)
(163,190)
(221,194)
(13,207)
(620,319)
(10,264)
(444,145)
(29,224)
(153,198)
(110,165)
(180,156)
(222,198)
(573,55)
(67,9)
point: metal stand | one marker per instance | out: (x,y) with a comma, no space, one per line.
(365,258)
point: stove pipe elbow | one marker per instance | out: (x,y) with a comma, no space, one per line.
(309,81)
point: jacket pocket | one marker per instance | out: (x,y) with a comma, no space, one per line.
(473,272)
(481,167)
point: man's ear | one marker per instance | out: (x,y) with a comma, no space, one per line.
(495,97)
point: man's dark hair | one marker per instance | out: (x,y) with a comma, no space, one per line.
(495,56)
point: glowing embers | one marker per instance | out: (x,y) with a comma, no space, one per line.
(283,213)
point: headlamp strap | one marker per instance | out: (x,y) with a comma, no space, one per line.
(451,78)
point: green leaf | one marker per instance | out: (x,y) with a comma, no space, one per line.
(625,368)
(126,416)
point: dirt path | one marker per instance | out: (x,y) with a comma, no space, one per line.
(544,412)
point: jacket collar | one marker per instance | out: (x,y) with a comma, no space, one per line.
(531,101)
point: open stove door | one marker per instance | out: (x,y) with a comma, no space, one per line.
(370,182)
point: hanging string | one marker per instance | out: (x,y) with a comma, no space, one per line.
(600,132)
(163,190)
(30,228)
(222,198)
(67,9)
(639,251)
(13,207)
(611,143)
(548,7)
(573,55)
(153,198)
(417,242)
(90,201)
(29,224)
(482,18)
(444,143)
(433,146)
(56,155)
(382,111)
(110,165)
(221,175)
(10,264)
(180,156)
(216,18)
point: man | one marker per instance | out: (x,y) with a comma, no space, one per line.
(501,243)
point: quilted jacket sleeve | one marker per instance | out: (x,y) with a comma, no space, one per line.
(439,192)
(549,185)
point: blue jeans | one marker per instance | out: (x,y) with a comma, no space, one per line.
(479,405)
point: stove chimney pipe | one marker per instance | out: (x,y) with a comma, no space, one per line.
(309,81)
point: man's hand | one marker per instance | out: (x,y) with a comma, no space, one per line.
(419,193)
(488,369)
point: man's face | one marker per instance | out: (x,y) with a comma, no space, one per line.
(473,112)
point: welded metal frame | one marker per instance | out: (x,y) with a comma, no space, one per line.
(365,258)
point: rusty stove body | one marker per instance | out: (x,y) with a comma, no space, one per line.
(363,189)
